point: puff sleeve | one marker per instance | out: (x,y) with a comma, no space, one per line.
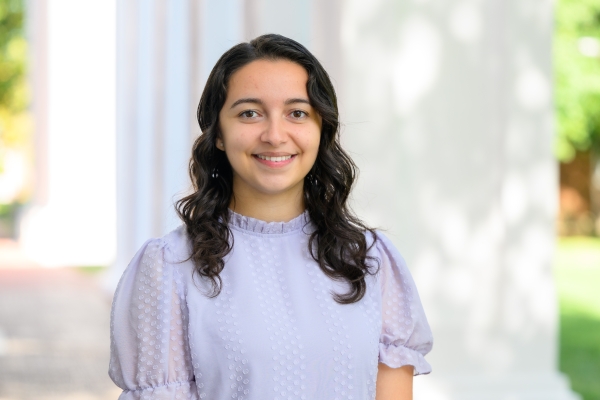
(405,334)
(150,357)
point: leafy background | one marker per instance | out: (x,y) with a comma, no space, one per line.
(15,120)
(577,77)
(14,98)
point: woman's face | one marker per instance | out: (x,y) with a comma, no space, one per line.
(269,131)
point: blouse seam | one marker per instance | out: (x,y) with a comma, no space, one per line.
(380,271)
(176,266)
(180,289)
(167,247)
(172,384)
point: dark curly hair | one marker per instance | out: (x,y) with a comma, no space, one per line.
(338,243)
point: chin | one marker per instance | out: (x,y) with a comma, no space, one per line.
(277,188)
(274,191)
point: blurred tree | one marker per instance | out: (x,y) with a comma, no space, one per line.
(577,77)
(15,146)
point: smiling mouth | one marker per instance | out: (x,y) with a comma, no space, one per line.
(274,159)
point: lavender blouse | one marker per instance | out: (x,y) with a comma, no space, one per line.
(274,331)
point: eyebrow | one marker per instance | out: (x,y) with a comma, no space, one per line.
(296,100)
(259,101)
(246,100)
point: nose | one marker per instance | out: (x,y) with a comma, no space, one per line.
(274,133)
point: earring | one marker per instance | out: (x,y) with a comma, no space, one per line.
(220,145)
(215,173)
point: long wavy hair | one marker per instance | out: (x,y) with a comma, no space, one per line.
(338,243)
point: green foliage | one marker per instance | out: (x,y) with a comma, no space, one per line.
(577,274)
(580,352)
(577,77)
(91,269)
(13,54)
(15,122)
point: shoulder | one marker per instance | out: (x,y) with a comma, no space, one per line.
(172,249)
(382,248)
(155,261)
(176,244)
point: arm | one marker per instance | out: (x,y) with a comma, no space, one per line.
(150,357)
(405,334)
(394,383)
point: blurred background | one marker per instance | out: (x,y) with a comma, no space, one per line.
(475,124)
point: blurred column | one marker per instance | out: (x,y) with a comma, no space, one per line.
(71,220)
(153,125)
(37,33)
(449,116)
(313,23)
(165,50)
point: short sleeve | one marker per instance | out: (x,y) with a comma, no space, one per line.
(150,357)
(405,334)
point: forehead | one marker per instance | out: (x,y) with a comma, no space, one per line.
(268,79)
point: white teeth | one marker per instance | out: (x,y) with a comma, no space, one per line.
(276,159)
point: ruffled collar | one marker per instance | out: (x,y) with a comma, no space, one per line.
(258,226)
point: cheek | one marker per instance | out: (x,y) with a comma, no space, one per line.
(309,140)
(314,143)
(238,140)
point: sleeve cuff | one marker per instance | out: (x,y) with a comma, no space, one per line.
(174,390)
(399,356)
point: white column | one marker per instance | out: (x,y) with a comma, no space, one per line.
(287,18)
(165,51)
(71,220)
(449,116)
(152,120)
(313,23)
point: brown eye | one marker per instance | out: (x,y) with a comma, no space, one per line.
(298,114)
(249,114)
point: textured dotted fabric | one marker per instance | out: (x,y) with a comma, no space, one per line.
(274,332)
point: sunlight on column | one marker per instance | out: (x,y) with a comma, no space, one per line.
(416,64)
(532,89)
(514,197)
(465,22)
(77,225)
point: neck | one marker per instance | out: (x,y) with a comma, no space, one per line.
(268,207)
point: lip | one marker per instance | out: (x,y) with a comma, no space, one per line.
(274,164)
(273,154)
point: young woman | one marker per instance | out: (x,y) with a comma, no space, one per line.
(236,304)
